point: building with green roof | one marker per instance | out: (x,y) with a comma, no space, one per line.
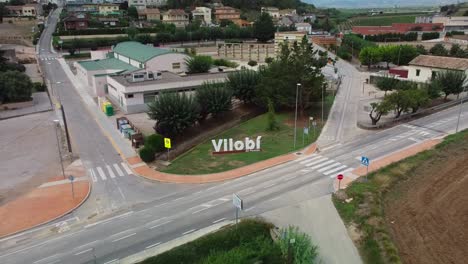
(127,57)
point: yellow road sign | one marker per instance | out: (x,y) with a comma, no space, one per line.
(167,143)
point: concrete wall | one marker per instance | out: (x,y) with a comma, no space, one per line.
(164,63)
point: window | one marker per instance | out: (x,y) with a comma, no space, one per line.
(149,97)
(176,65)
(129,96)
(418,72)
(433,74)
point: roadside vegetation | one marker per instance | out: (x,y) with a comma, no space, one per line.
(248,242)
(362,204)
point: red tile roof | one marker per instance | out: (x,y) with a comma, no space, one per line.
(397,28)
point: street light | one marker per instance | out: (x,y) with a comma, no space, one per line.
(57,126)
(459,113)
(295,114)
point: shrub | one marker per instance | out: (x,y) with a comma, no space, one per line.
(243,83)
(147,154)
(213,98)
(252,63)
(199,64)
(269,60)
(39,87)
(155,142)
(430,35)
(226,63)
(344,54)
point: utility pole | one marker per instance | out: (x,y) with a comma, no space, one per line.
(323,88)
(295,115)
(66,129)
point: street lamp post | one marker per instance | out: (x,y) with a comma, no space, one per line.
(295,115)
(57,124)
(323,88)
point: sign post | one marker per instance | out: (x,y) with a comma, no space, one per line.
(239,204)
(306,131)
(167,144)
(314,124)
(339,177)
(365,161)
(72,178)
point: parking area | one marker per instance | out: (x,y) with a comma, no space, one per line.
(28,154)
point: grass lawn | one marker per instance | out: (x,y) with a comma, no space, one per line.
(249,243)
(200,159)
(365,212)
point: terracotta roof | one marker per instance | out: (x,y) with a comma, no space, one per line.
(440,62)
(176,12)
(152,11)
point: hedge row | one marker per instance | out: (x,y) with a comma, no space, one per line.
(430,35)
(393,37)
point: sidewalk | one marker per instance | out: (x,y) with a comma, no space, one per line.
(46,203)
(385,161)
(143,170)
(319,219)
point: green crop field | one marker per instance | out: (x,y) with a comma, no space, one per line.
(383,20)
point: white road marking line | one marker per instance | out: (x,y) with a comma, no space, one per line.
(248,192)
(111,173)
(315,162)
(290,177)
(160,205)
(84,251)
(108,262)
(150,246)
(335,170)
(93,176)
(249,209)
(211,188)
(101,173)
(158,225)
(310,159)
(272,199)
(306,157)
(126,168)
(322,164)
(415,140)
(358,158)
(49,257)
(341,172)
(180,198)
(330,147)
(224,199)
(127,236)
(87,244)
(329,167)
(109,219)
(55,261)
(305,171)
(119,171)
(203,209)
(157,220)
(269,185)
(206,205)
(219,220)
(188,232)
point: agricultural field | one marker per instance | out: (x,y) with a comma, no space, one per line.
(379,20)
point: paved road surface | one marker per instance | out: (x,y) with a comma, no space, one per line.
(143,214)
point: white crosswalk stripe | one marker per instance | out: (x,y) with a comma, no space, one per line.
(341,172)
(111,173)
(119,171)
(93,176)
(322,164)
(315,162)
(126,168)
(336,164)
(101,173)
(308,159)
(334,170)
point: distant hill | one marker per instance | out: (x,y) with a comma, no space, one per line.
(376,3)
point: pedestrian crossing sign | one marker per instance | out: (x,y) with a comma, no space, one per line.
(167,143)
(365,161)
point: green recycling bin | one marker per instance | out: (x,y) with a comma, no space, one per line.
(109,110)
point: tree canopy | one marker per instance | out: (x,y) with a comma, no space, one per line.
(263,28)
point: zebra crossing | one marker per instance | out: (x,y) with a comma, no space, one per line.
(414,132)
(105,172)
(48,58)
(326,166)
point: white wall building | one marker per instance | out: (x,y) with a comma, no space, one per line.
(132,95)
(424,67)
(304,27)
(128,57)
(202,13)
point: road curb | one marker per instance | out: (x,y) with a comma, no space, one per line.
(55,218)
(208,178)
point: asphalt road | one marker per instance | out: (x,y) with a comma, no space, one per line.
(126,214)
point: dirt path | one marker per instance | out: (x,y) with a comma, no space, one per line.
(429,216)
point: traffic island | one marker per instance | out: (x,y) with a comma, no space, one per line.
(142,169)
(47,202)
